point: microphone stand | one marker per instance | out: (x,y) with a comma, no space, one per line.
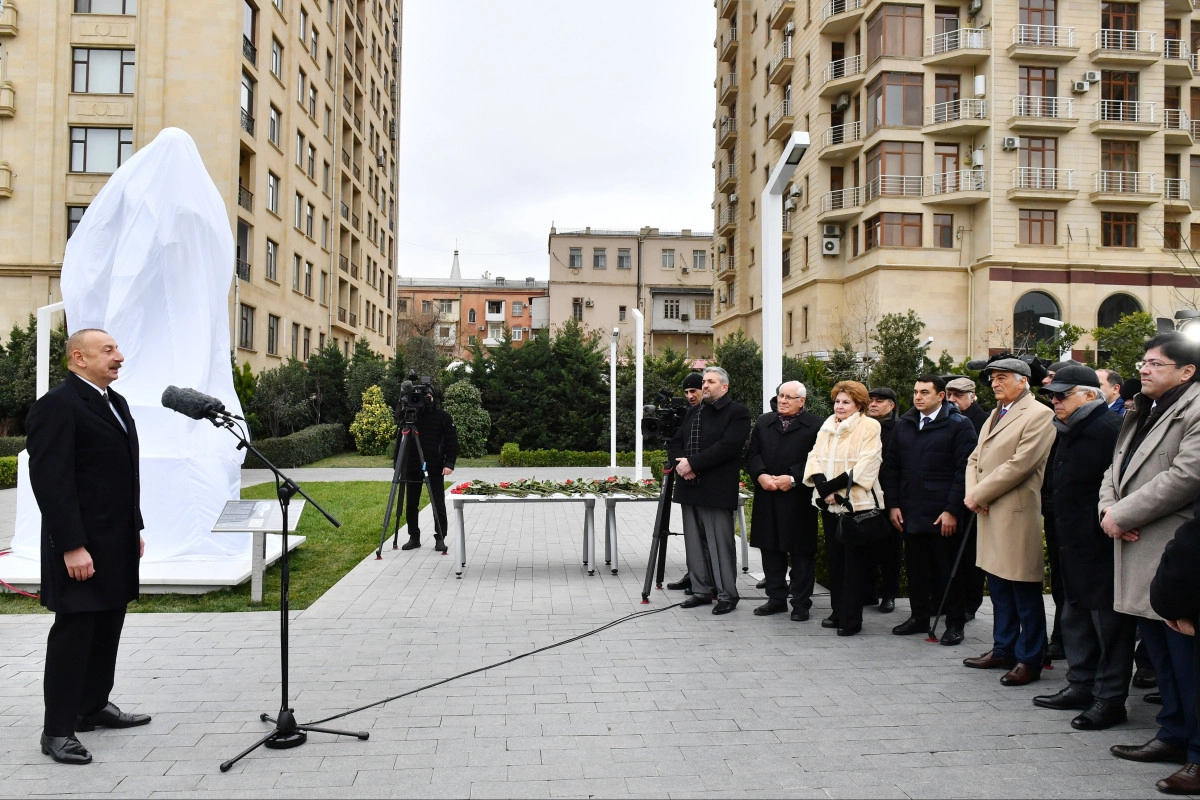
(287,732)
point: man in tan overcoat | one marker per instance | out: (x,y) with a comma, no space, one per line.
(1004,483)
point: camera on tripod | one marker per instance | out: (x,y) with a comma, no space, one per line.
(416,394)
(661,419)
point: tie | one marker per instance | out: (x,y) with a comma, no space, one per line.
(1003,411)
(113,409)
(924,421)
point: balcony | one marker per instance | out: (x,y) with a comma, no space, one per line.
(781,12)
(354,220)
(843,75)
(8,19)
(779,121)
(353,320)
(1125,48)
(964,187)
(725,267)
(353,270)
(1042,184)
(729,45)
(247,122)
(961,47)
(347,105)
(358,123)
(787,226)
(726,220)
(728,9)
(1131,117)
(8,99)
(727,132)
(245,198)
(357,171)
(1115,186)
(1177,128)
(894,186)
(1043,43)
(345,158)
(1034,113)
(726,177)
(841,141)
(345,211)
(780,68)
(1176,194)
(841,204)
(1177,59)
(341,313)
(840,16)
(242,268)
(249,51)
(957,117)
(343,263)
(729,88)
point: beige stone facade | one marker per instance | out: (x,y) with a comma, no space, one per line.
(982,163)
(292,104)
(600,276)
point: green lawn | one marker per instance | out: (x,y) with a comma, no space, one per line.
(356,460)
(326,555)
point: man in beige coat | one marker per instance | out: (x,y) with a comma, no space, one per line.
(1004,482)
(1145,496)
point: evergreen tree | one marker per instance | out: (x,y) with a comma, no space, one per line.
(901,358)
(741,357)
(1122,345)
(280,402)
(326,385)
(462,403)
(18,371)
(366,369)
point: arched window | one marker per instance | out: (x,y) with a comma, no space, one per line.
(471,315)
(1027,331)
(1114,307)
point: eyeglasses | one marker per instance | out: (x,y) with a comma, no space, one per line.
(1154,364)
(788,396)
(1061,396)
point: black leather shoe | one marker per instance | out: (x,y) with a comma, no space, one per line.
(439,544)
(1184,781)
(1100,716)
(970,615)
(696,600)
(1065,699)
(1154,750)
(1154,699)
(111,717)
(1145,678)
(952,636)
(65,749)
(761,584)
(724,607)
(412,544)
(1055,651)
(850,630)
(800,615)
(770,607)
(910,626)
(683,583)
(829,622)
(887,605)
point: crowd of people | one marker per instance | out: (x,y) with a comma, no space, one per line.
(1074,468)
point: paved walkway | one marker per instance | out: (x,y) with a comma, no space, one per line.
(679,703)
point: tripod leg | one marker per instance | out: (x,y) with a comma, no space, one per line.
(225,765)
(665,528)
(402,457)
(661,522)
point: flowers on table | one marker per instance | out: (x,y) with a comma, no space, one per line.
(527,487)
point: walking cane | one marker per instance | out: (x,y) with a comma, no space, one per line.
(953,572)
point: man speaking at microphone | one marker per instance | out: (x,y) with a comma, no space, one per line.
(83,468)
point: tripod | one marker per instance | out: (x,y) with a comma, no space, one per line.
(287,732)
(662,529)
(408,428)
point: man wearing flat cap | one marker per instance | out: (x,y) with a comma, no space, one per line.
(1098,640)
(1003,482)
(961,392)
(692,387)
(887,552)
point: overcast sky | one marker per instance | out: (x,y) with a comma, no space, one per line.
(518,114)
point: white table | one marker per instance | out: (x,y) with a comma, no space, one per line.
(460,501)
(610,527)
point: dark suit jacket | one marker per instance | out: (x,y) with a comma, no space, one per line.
(924,471)
(1173,592)
(724,426)
(783,520)
(83,469)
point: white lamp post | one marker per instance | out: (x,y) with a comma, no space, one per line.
(1057,324)
(612,400)
(639,328)
(771,206)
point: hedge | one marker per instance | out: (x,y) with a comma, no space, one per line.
(511,455)
(11,445)
(8,472)
(302,447)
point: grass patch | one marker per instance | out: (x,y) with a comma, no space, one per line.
(356,460)
(326,555)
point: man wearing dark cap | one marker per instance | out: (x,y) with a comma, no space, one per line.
(1055,367)
(887,551)
(691,388)
(1098,640)
(961,392)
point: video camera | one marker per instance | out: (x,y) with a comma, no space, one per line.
(660,420)
(1038,367)
(416,393)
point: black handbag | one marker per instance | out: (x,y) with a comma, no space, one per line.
(861,528)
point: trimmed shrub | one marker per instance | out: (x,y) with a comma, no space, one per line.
(8,472)
(462,402)
(302,447)
(373,428)
(11,445)
(511,455)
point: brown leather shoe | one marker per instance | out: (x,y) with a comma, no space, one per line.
(989,661)
(1153,750)
(1185,781)
(1021,675)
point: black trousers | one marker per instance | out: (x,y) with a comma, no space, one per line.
(929,558)
(886,555)
(849,575)
(803,577)
(81,664)
(437,499)
(1056,581)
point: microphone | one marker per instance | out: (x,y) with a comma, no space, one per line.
(194,404)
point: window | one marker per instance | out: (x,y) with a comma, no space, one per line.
(308,275)
(599,258)
(246,328)
(620,313)
(471,339)
(891,229)
(1114,307)
(74,217)
(1118,229)
(272,260)
(518,308)
(577,308)
(1038,226)
(671,308)
(1038,13)
(325,177)
(1172,236)
(300,149)
(296,269)
(496,332)
(312,101)
(274,125)
(273,193)
(943,230)
(495,306)
(789,327)
(426,307)
(103,71)
(308,219)
(324,287)
(328,66)
(445,306)
(295,339)
(1027,331)
(804,323)
(787,262)
(623,258)
(895,98)
(325,232)
(1118,96)
(301,87)
(895,31)
(276,58)
(1119,22)
(311,161)
(668,259)
(328,127)
(123,7)
(272,335)
(518,334)
(699,259)
(575,258)
(471,316)
(314,49)
(306,342)
(303,24)
(1118,157)
(894,168)
(299,222)
(702,309)
(100,150)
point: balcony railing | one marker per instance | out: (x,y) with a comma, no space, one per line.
(1125,111)
(781,110)
(1046,178)
(345,158)
(346,104)
(1043,36)
(963,180)
(1195,128)
(842,68)
(1176,189)
(968,108)
(728,81)
(245,198)
(728,126)
(726,172)
(341,314)
(727,216)
(1175,119)
(247,122)
(1176,49)
(787,222)
(728,38)
(353,270)
(784,52)
(355,221)
(842,134)
(835,7)
(243,269)
(1124,182)
(357,171)
(345,211)
(249,51)
(358,123)
(1130,41)
(353,320)
(894,186)
(960,39)
(841,198)
(1026,105)
(349,53)
(343,263)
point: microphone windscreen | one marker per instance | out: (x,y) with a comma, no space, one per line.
(190,402)
(977,363)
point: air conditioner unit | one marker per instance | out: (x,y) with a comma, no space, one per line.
(789,29)
(588,302)
(831,246)
(796,190)
(685,270)
(1079,87)
(733,197)
(483,327)
(725,119)
(721,248)
(724,298)
(975,7)
(1092,76)
(843,102)
(381,160)
(684,317)
(790,205)
(1011,143)
(831,231)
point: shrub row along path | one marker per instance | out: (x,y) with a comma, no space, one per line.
(679,703)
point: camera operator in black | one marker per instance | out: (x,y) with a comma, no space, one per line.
(435,430)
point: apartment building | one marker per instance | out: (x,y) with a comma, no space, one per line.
(293,105)
(984,163)
(599,277)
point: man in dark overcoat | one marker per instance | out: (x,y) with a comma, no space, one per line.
(83,469)
(1098,641)
(784,521)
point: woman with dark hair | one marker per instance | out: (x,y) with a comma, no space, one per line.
(843,469)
